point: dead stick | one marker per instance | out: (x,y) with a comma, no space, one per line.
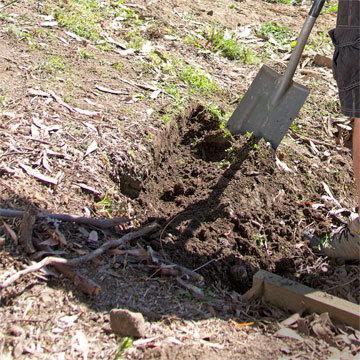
(197,292)
(87,286)
(52,260)
(100,223)
(26,229)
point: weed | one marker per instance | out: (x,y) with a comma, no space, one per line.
(282,34)
(295,127)
(198,80)
(331,8)
(119,66)
(135,40)
(150,137)
(54,64)
(2,101)
(225,42)
(126,343)
(220,116)
(18,33)
(105,46)
(174,91)
(105,205)
(81,17)
(248,135)
(86,54)
(260,240)
(166,118)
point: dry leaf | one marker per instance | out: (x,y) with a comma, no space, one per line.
(81,344)
(69,320)
(288,333)
(38,175)
(86,112)
(291,320)
(241,325)
(45,162)
(35,92)
(91,148)
(93,237)
(10,232)
(110,91)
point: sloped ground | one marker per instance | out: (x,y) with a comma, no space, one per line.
(102,98)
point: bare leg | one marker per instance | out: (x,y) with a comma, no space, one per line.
(356,156)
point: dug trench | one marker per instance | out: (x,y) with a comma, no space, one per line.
(227,210)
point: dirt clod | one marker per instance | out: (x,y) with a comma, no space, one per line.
(127,323)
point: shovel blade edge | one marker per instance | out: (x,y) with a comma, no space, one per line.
(257,115)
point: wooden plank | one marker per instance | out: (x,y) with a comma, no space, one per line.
(293,296)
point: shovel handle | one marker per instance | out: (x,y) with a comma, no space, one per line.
(316,8)
(286,80)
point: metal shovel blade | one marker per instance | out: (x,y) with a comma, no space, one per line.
(258,114)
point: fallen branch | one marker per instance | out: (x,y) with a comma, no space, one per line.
(52,260)
(100,223)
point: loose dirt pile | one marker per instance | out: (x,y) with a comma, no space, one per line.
(228,210)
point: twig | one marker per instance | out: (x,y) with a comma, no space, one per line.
(197,292)
(317,142)
(52,260)
(26,230)
(84,284)
(9,4)
(87,286)
(100,223)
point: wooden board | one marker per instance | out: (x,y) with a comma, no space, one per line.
(290,295)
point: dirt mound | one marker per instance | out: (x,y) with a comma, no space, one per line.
(226,208)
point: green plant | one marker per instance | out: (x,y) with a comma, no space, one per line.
(225,42)
(18,33)
(331,8)
(281,33)
(81,17)
(198,79)
(54,64)
(2,101)
(220,116)
(166,118)
(259,239)
(105,46)
(295,127)
(118,66)
(86,54)
(126,344)
(105,205)
(135,40)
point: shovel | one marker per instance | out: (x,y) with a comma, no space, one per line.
(273,101)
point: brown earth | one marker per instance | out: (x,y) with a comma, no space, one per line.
(226,207)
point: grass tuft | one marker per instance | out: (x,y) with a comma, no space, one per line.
(225,42)
(198,80)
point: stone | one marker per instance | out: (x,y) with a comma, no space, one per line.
(127,323)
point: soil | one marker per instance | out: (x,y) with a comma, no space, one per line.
(226,207)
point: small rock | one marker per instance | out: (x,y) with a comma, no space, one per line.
(127,323)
